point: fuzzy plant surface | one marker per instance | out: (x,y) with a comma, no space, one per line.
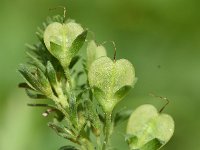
(81,100)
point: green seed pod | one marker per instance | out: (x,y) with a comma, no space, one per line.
(64,40)
(111,81)
(148,129)
(94,52)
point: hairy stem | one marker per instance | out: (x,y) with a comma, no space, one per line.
(107,129)
(99,146)
(67,75)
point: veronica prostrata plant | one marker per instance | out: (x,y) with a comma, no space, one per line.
(83,111)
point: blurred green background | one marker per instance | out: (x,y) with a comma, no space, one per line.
(160,37)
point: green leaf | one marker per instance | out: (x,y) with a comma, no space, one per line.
(85,68)
(45,85)
(59,115)
(122,116)
(51,73)
(122,92)
(36,62)
(29,76)
(68,148)
(93,117)
(154,144)
(110,76)
(74,61)
(147,124)
(61,131)
(73,110)
(25,85)
(77,43)
(36,78)
(35,95)
(43,55)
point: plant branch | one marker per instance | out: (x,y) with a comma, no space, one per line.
(107,129)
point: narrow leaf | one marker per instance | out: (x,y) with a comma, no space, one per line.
(74,61)
(25,85)
(122,92)
(154,144)
(93,117)
(122,116)
(36,62)
(61,131)
(51,73)
(35,95)
(73,109)
(39,105)
(78,43)
(28,75)
(45,85)
(68,148)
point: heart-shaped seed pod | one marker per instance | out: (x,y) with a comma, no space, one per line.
(111,81)
(148,129)
(94,52)
(64,40)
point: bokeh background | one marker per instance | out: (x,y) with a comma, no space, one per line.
(160,37)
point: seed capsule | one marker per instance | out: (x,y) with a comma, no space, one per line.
(148,129)
(64,40)
(111,81)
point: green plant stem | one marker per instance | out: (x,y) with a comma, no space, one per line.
(68,76)
(61,96)
(99,146)
(85,143)
(107,130)
(71,95)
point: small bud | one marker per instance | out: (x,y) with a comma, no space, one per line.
(149,129)
(111,81)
